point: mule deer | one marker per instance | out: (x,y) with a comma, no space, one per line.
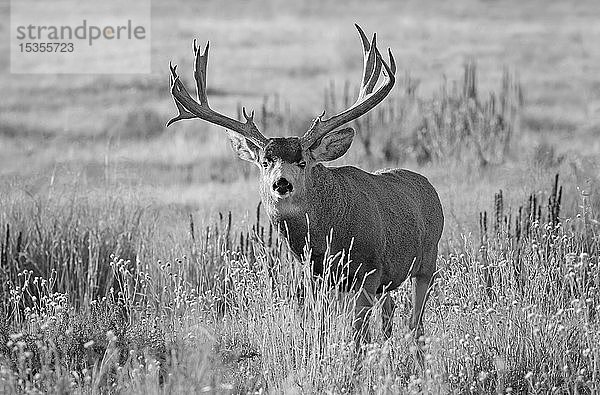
(392,218)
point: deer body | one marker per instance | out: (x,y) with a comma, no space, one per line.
(390,218)
(389,222)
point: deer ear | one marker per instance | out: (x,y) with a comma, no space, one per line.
(245,149)
(333,145)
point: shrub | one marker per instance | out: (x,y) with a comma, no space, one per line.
(458,125)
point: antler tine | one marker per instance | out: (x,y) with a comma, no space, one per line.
(190,108)
(392,67)
(200,63)
(369,57)
(174,80)
(374,65)
(373,77)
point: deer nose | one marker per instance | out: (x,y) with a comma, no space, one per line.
(282,186)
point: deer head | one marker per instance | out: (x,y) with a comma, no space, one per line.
(286,163)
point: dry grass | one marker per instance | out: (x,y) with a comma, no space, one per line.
(131,258)
(226,311)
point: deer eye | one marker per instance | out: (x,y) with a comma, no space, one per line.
(302,164)
(267,161)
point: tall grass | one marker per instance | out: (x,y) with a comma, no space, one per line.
(231,310)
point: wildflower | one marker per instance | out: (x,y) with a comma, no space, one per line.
(570,258)
(15,336)
(111,336)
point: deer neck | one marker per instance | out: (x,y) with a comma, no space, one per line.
(318,210)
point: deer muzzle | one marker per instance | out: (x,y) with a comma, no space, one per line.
(282,187)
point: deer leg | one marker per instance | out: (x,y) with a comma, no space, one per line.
(420,285)
(387,315)
(362,312)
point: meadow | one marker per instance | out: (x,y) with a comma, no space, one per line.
(137,259)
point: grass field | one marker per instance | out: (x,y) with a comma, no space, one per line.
(132,259)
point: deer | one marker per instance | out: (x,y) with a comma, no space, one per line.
(389,222)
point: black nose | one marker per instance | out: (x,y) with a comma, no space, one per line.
(282,186)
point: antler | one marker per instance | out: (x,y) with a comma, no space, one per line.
(190,108)
(367,99)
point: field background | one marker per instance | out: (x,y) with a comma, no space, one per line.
(63,124)
(96,146)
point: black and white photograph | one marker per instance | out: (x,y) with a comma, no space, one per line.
(310,197)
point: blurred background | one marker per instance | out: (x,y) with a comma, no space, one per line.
(490,95)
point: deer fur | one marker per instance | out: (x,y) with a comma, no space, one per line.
(388,223)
